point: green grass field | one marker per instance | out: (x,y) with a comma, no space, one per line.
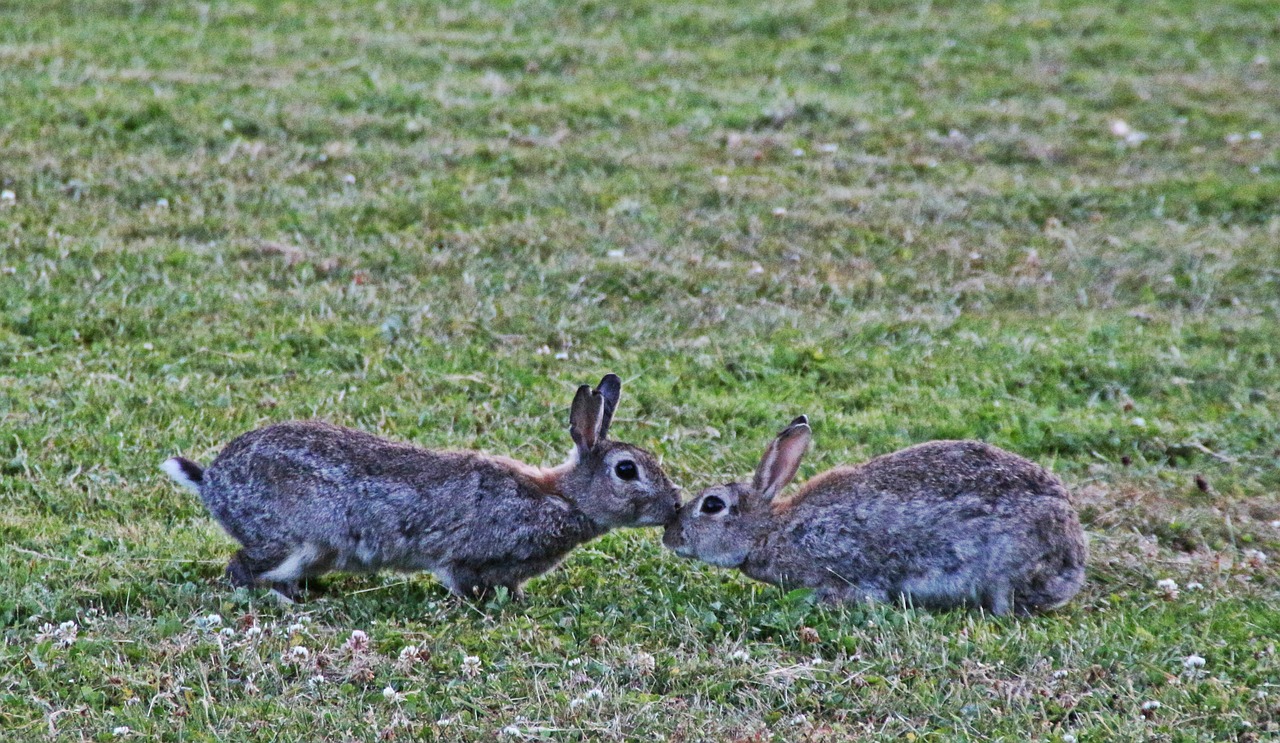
(1050,224)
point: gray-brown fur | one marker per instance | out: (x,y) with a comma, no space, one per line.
(942,524)
(305,498)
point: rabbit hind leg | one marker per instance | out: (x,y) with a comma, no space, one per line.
(243,571)
(283,572)
(240,572)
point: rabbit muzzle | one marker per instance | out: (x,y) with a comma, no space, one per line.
(673,539)
(657,512)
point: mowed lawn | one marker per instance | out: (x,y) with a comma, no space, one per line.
(1050,225)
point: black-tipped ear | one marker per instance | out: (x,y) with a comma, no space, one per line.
(781,459)
(610,389)
(584,419)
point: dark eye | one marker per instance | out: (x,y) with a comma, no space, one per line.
(712,504)
(627,470)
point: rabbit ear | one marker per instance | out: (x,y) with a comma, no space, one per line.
(585,418)
(610,388)
(782,459)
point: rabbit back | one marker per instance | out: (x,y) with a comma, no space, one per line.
(944,524)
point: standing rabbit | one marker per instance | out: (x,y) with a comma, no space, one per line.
(305,498)
(939,525)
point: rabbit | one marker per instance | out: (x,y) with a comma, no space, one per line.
(305,498)
(939,525)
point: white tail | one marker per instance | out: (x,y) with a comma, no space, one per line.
(184,472)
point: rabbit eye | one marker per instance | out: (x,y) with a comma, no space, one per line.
(626,470)
(712,504)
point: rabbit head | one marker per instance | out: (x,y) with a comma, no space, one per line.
(613,483)
(724,523)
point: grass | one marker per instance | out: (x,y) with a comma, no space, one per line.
(432,221)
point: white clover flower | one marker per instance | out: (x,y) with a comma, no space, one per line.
(1130,136)
(1193,662)
(798,152)
(511,731)
(315,681)
(740,655)
(1150,705)
(357,643)
(162,203)
(121,731)
(409,653)
(574,662)
(1195,586)
(1168,587)
(594,694)
(8,197)
(642,663)
(829,148)
(391,695)
(65,633)
(1060,674)
(780,211)
(349,179)
(1255,559)
(295,627)
(253,632)
(561,355)
(1068,738)
(471,666)
(1234,138)
(227,633)
(445,722)
(296,654)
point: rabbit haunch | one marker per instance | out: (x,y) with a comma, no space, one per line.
(305,498)
(940,525)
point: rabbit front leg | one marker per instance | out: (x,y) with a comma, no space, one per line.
(479,582)
(998,598)
(466,581)
(851,594)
